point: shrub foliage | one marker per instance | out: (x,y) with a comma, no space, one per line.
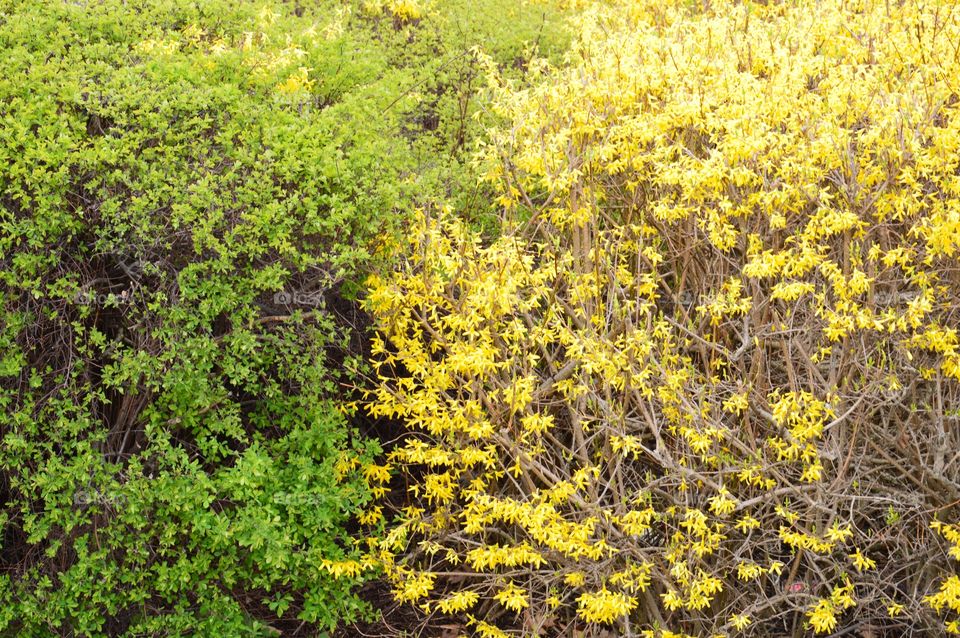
(706,381)
(184,187)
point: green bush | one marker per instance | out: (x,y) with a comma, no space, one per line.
(445,111)
(184,189)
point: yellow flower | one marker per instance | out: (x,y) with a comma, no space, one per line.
(343,568)
(413,587)
(574,579)
(737,404)
(297,81)
(838,533)
(512,597)
(604,606)
(823,616)
(377,473)
(746,523)
(862,562)
(458,602)
(749,571)
(486,630)
(371,516)
(948,596)
(405,9)
(740,621)
(723,503)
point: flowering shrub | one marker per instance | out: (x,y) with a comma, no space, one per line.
(705,383)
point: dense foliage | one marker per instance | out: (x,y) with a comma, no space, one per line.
(706,381)
(187,193)
(668,321)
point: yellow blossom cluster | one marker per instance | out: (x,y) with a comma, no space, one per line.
(509,485)
(266,55)
(823,614)
(604,606)
(729,244)
(948,594)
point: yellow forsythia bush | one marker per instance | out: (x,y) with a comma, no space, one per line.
(706,382)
